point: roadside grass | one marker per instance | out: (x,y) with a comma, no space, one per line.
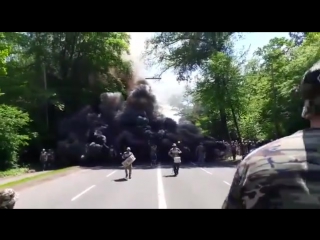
(13,172)
(32,178)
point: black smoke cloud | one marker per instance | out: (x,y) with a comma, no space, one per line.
(134,122)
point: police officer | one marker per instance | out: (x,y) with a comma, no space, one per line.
(128,169)
(201,154)
(175,152)
(284,174)
(153,155)
(112,153)
(44,159)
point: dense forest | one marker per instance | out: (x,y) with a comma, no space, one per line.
(234,97)
(45,77)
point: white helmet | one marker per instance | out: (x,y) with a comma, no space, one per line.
(174,145)
(128,149)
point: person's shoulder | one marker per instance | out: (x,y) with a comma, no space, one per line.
(281,147)
(277,166)
(272,156)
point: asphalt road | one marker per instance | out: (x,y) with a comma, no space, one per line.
(194,187)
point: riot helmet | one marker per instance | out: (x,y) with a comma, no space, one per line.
(310,91)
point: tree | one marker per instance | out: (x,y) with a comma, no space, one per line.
(56,73)
(259,95)
(185,52)
(13,135)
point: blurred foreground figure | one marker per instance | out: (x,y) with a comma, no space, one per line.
(284,174)
(8,198)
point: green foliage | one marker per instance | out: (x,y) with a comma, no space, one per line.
(233,97)
(185,52)
(13,136)
(13,172)
(48,75)
(4,53)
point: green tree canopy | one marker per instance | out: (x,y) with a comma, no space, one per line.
(235,97)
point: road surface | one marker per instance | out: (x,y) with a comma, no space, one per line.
(154,188)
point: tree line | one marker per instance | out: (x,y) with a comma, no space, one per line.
(234,97)
(47,76)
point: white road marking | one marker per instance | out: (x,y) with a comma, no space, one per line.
(206,171)
(80,194)
(202,168)
(161,198)
(111,173)
(211,174)
(227,183)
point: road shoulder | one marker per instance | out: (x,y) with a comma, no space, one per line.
(31,179)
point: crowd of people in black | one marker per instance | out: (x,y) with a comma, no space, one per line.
(200,155)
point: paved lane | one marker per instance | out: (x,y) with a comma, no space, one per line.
(55,193)
(149,188)
(115,192)
(197,188)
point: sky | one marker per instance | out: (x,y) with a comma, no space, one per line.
(168,85)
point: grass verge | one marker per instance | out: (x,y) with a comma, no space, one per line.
(13,172)
(36,177)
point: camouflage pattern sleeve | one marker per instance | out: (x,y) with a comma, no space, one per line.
(284,174)
(8,198)
(234,199)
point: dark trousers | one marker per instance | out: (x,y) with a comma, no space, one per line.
(176,167)
(234,155)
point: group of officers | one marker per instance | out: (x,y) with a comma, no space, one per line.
(47,159)
(282,174)
(174,153)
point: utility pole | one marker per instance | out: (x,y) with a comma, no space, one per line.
(45,88)
(153,78)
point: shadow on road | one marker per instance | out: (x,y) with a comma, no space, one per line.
(189,165)
(120,180)
(172,175)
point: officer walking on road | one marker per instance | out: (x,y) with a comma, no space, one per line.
(128,168)
(284,173)
(175,152)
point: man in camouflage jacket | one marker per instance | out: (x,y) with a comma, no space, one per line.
(284,174)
